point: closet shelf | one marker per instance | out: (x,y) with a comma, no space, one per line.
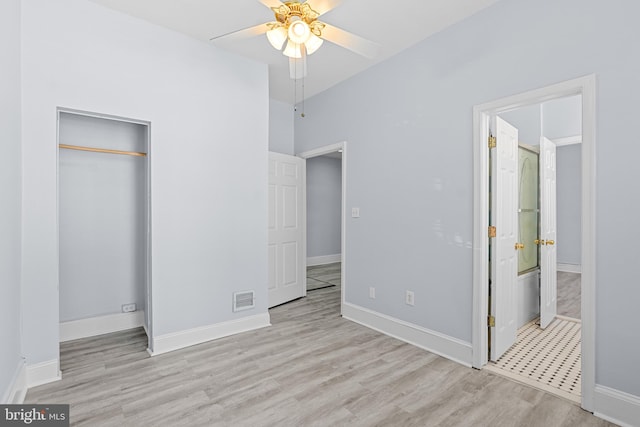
(102,150)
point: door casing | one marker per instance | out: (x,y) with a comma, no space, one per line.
(586,87)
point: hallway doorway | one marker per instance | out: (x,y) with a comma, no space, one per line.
(327,270)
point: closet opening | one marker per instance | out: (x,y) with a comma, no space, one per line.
(103,225)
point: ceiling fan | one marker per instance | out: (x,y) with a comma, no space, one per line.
(296,27)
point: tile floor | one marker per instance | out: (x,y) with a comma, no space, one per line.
(547,359)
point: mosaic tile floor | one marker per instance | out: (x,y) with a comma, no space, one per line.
(547,359)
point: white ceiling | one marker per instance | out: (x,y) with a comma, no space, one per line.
(395,26)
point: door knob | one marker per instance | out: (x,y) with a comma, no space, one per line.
(539,242)
(519,246)
(551,242)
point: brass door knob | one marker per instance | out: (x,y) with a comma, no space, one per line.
(551,242)
(519,246)
(539,242)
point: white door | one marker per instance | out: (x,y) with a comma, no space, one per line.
(504,256)
(548,253)
(287,279)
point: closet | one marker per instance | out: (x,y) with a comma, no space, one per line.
(103,210)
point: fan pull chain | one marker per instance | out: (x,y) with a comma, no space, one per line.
(302,114)
(295,90)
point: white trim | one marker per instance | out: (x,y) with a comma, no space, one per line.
(617,407)
(304,227)
(43,373)
(177,340)
(17,389)
(585,86)
(103,116)
(321,151)
(569,268)
(83,328)
(434,342)
(567,140)
(324,259)
(340,146)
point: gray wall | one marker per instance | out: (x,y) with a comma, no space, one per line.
(280,127)
(208,168)
(324,203)
(103,226)
(569,202)
(408,123)
(10,195)
(562,117)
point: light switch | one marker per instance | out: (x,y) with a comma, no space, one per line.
(355,212)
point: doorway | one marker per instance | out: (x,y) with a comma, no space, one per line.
(482,114)
(324,216)
(325,269)
(544,351)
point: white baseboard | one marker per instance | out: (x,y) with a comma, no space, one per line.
(43,373)
(435,342)
(324,259)
(616,406)
(177,340)
(570,268)
(18,388)
(83,328)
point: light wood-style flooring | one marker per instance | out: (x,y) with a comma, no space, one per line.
(324,276)
(569,291)
(311,368)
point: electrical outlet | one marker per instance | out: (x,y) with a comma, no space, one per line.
(128,308)
(355,212)
(372,292)
(409,298)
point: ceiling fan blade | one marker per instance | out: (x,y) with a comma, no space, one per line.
(324,6)
(242,34)
(350,41)
(271,3)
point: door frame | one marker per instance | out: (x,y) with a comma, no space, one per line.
(317,152)
(148,285)
(585,86)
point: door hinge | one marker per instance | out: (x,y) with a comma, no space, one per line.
(492,141)
(492,231)
(491,321)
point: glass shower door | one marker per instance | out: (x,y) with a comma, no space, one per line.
(528,210)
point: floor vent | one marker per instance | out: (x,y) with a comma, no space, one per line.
(244,300)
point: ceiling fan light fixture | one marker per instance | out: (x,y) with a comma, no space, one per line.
(277,37)
(292,50)
(313,44)
(299,31)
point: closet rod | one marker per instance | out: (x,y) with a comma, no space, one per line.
(102,150)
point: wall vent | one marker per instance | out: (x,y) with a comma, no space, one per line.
(244,300)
